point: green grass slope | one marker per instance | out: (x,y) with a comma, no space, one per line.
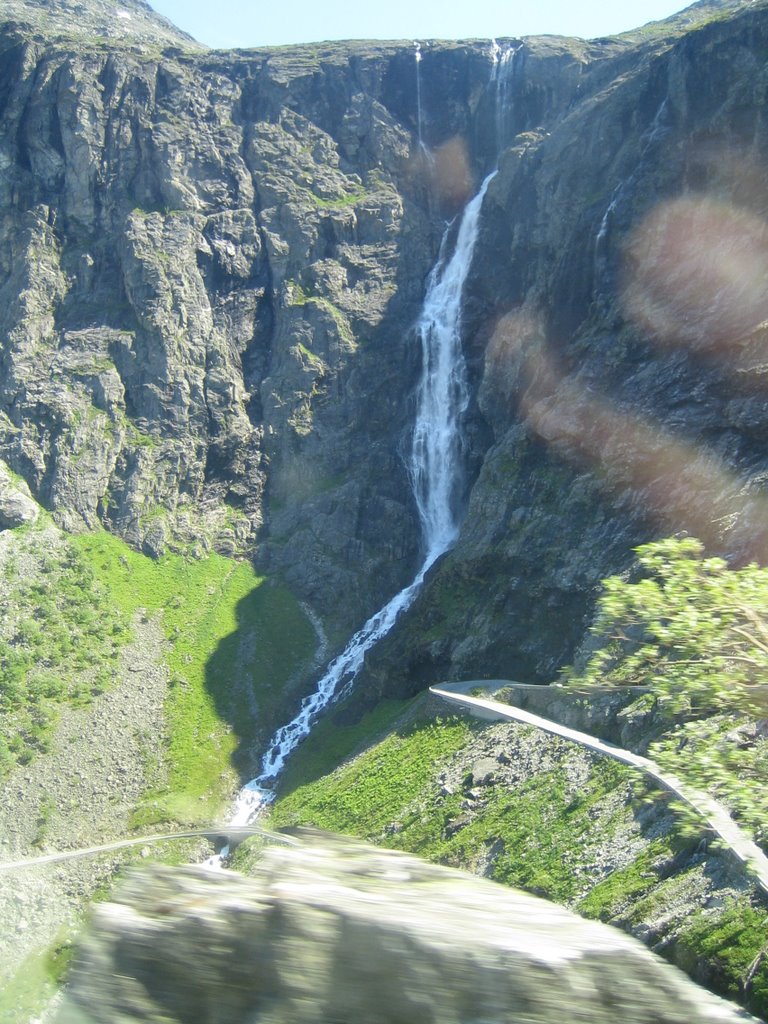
(235,641)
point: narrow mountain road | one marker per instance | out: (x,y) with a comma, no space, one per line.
(228,832)
(716,816)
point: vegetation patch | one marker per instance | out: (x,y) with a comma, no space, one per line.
(695,632)
(209,607)
(613,895)
(60,639)
(338,202)
(330,743)
(734,943)
(532,836)
(299,296)
(365,796)
(36,982)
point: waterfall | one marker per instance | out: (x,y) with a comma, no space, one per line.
(419,117)
(434,468)
(605,223)
(442,396)
(654,133)
(501,75)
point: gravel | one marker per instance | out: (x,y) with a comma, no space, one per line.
(80,793)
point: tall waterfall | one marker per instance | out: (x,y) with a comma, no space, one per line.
(442,397)
(435,473)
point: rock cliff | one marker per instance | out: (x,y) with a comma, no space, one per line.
(211,262)
(615,320)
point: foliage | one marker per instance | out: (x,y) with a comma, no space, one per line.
(69,609)
(24,996)
(620,888)
(390,794)
(694,630)
(363,798)
(207,606)
(734,942)
(723,755)
(330,743)
(535,834)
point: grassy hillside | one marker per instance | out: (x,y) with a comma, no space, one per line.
(238,645)
(231,651)
(235,642)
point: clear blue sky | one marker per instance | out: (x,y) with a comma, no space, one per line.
(276,22)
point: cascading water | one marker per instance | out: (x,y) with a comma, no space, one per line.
(435,473)
(419,118)
(501,75)
(443,394)
(654,134)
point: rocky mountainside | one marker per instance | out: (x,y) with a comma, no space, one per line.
(615,320)
(133,23)
(211,264)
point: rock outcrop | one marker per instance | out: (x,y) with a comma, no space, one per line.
(335,931)
(17,507)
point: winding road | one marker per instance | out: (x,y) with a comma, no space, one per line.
(717,817)
(228,832)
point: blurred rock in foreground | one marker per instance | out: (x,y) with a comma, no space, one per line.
(340,932)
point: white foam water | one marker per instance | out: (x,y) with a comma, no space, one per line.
(418,55)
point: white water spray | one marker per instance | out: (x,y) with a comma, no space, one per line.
(435,471)
(443,394)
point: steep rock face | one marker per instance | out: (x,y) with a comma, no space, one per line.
(210,267)
(211,264)
(615,324)
(338,931)
(188,277)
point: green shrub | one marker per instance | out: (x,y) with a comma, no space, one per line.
(694,631)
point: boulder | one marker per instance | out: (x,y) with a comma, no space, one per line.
(17,506)
(329,930)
